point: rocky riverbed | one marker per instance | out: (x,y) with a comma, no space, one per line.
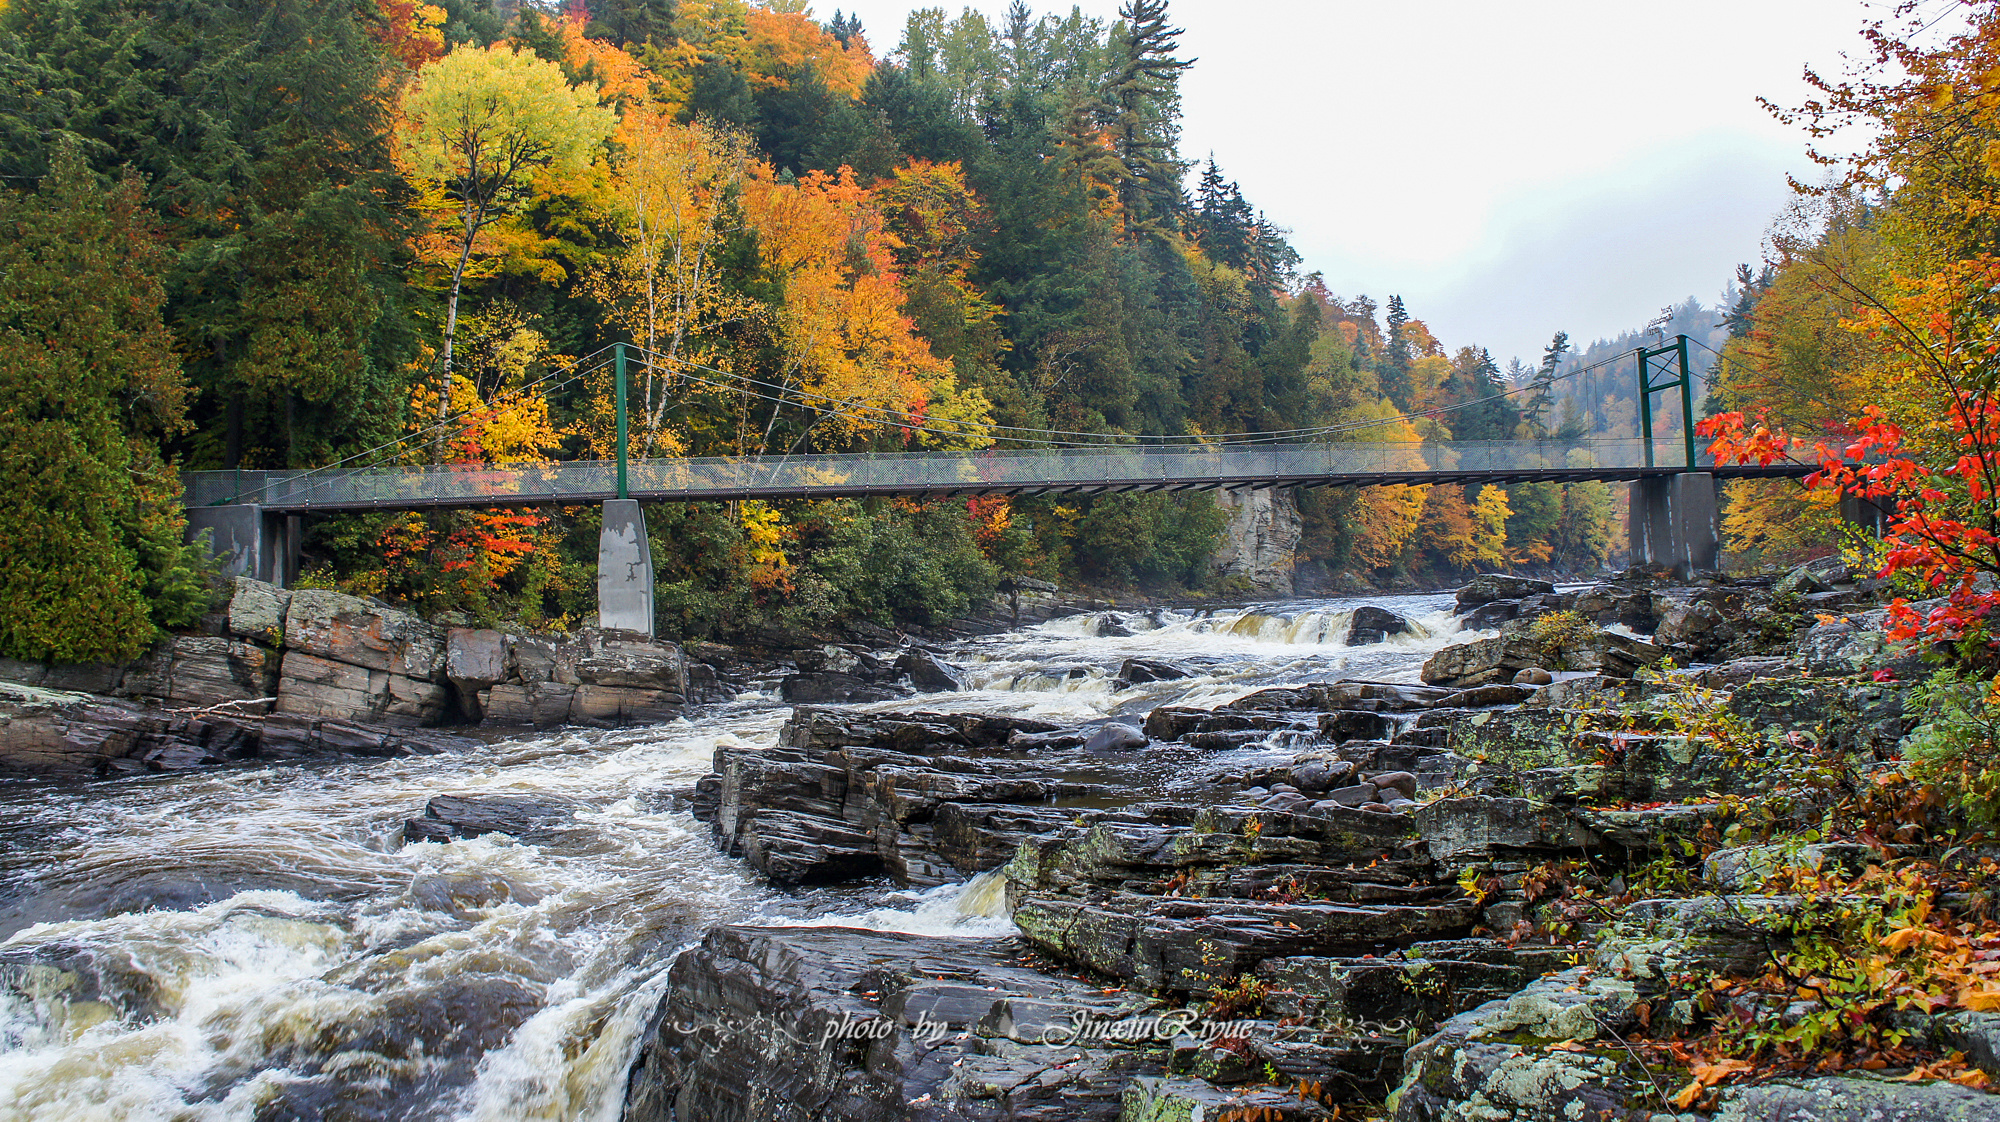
(1280,862)
(1304,900)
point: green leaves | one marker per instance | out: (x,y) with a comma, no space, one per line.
(88,383)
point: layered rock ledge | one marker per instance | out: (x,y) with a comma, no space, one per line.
(1343,895)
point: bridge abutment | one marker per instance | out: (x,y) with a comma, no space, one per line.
(624,569)
(248,542)
(1674,522)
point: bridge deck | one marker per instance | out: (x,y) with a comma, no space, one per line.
(991,471)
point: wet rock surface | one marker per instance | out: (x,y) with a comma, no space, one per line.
(800,1023)
(315,671)
(529,817)
(1363,880)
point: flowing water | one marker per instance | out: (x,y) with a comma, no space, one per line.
(258,943)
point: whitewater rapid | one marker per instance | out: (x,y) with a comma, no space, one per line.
(261,943)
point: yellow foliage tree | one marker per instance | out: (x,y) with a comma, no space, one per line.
(669,192)
(480,129)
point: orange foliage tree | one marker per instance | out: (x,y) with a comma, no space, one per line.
(851,359)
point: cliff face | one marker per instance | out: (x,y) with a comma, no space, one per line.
(1263,531)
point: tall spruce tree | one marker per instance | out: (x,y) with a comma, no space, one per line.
(88,385)
(1396,363)
(1541,395)
(1145,127)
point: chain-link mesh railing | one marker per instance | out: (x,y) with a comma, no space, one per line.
(911,473)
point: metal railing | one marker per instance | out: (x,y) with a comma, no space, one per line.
(914,473)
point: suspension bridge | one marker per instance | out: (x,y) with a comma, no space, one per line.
(254,518)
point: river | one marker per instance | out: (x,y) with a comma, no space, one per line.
(258,942)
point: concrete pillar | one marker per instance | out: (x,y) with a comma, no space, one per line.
(237,537)
(1868,514)
(1697,524)
(1675,522)
(1650,529)
(278,555)
(624,569)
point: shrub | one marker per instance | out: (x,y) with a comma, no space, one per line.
(1556,632)
(1956,745)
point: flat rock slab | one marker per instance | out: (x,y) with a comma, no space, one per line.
(1850,1099)
(806,1024)
(1198,946)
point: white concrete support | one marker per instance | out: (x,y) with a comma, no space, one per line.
(624,569)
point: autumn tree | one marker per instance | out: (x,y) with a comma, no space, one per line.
(672,187)
(480,127)
(852,367)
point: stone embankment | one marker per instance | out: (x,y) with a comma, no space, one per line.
(1337,899)
(281,674)
(285,674)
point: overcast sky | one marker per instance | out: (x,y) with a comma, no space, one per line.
(1509,169)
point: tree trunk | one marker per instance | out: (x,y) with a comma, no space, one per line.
(450,335)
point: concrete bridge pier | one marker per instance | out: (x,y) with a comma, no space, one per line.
(1675,522)
(624,569)
(1872,515)
(248,542)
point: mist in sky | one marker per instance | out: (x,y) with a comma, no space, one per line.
(1510,170)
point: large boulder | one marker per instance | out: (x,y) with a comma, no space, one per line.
(1476,662)
(795,1024)
(529,817)
(929,673)
(620,677)
(1498,658)
(1547,1054)
(1372,625)
(203,672)
(1609,653)
(537,704)
(55,732)
(1478,828)
(1137,670)
(846,795)
(1858,643)
(257,611)
(621,659)
(336,627)
(1489,587)
(827,687)
(475,660)
(312,686)
(1694,626)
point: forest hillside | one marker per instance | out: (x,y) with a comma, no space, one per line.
(386,231)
